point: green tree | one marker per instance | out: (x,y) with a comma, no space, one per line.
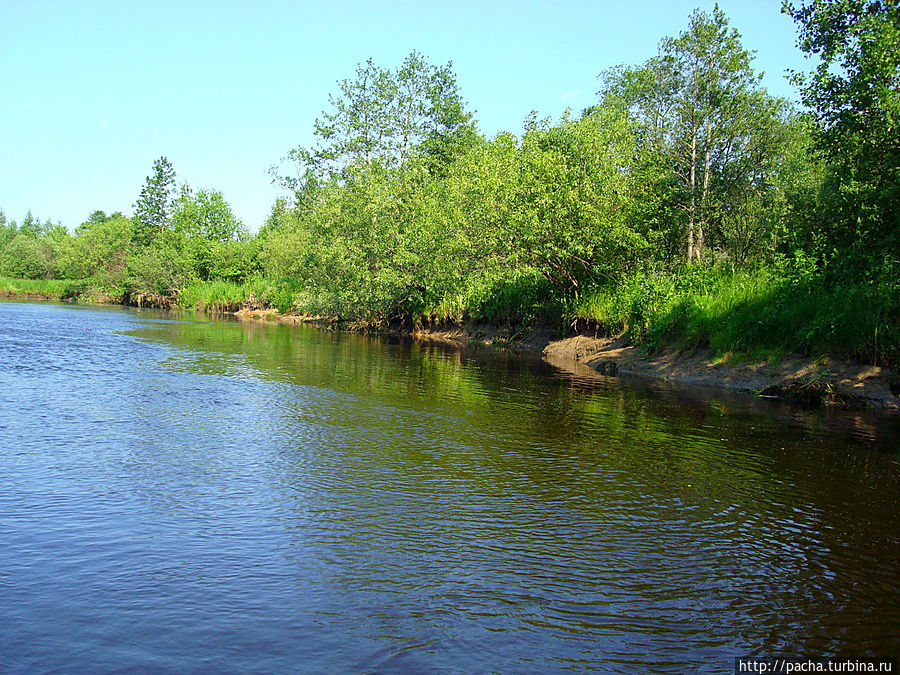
(31,226)
(205,214)
(431,114)
(573,186)
(27,256)
(701,113)
(854,93)
(98,248)
(8,229)
(153,208)
(361,125)
(387,117)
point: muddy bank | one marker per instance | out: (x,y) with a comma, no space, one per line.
(803,380)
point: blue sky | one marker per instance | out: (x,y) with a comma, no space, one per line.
(93,92)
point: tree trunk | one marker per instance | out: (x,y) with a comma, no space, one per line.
(693,207)
(703,201)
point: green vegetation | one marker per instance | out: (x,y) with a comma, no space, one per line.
(48,289)
(686,207)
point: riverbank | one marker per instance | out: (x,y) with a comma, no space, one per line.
(821,381)
(793,378)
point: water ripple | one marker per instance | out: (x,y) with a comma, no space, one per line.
(187,495)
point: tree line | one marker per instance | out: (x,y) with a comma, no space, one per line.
(686,203)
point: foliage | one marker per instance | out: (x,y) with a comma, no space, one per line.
(48,289)
(206,215)
(386,117)
(572,187)
(158,271)
(153,208)
(710,138)
(8,229)
(686,207)
(98,248)
(854,93)
(26,257)
(757,313)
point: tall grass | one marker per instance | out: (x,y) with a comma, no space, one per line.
(47,289)
(227,296)
(761,313)
(516,296)
(755,314)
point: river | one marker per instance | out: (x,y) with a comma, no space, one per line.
(184,494)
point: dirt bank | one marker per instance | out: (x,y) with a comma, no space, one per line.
(805,380)
(812,381)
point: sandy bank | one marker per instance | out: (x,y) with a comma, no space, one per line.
(805,380)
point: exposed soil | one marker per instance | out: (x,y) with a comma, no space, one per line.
(796,378)
(817,381)
(826,381)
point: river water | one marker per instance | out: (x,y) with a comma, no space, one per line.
(188,495)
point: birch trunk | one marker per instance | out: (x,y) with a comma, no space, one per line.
(693,207)
(698,251)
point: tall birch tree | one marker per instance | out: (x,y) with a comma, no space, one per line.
(700,110)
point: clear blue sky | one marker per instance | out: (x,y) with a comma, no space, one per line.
(92,92)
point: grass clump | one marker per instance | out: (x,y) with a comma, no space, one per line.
(218,295)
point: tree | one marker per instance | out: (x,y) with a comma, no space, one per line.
(700,112)
(98,248)
(573,184)
(385,117)
(26,256)
(8,230)
(431,114)
(31,225)
(205,214)
(153,208)
(361,125)
(854,94)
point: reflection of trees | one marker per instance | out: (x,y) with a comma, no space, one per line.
(651,510)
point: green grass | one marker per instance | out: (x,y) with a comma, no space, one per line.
(758,314)
(754,314)
(517,296)
(48,289)
(228,296)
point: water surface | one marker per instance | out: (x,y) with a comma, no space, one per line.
(182,494)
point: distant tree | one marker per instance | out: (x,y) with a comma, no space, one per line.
(8,229)
(430,112)
(98,248)
(31,226)
(153,208)
(97,216)
(205,214)
(360,126)
(386,117)
(26,256)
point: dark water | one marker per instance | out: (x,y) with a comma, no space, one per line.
(211,496)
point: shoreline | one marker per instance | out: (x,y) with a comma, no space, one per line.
(795,379)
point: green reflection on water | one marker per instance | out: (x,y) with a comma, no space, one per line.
(758,489)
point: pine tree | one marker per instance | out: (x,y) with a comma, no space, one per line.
(153,208)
